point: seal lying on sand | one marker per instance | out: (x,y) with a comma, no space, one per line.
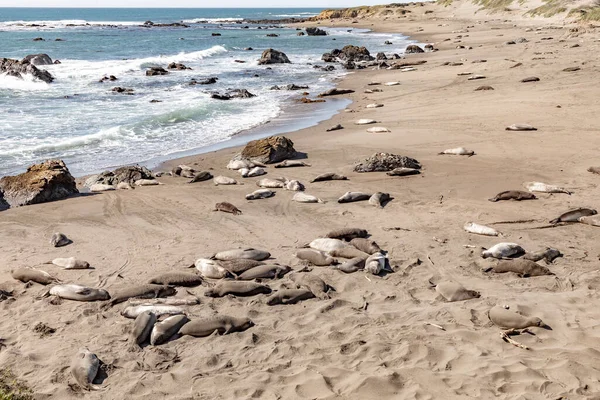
(240,265)
(402,171)
(249,253)
(294,186)
(548,254)
(315,257)
(201,177)
(311,282)
(458,151)
(545,188)
(353,265)
(301,197)
(375,263)
(289,296)
(348,252)
(249,173)
(58,240)
(227,207)
(472,227)
(142,327)
(590,220)
(271,183)
(594,170)
(347,233)
(520,127)
(27,275)
(157,309)
(574,215)
(366,245)
(291,163)
(379,199)
(260,194)
(239,164)
(224,180)
(237,288)
(329,176)
(210,269)
(514,195)
(509,319)
(143,291)
(84,369)
(163,330)
(453,291)
(78,293)
(265,272)
(177,279)
(350,197)
(70,263)
(503,250)
(521,267)
(221,324)
(327,244)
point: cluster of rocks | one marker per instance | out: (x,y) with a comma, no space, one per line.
(110,78)
(17,69)
(150,24)
(208,81)
(291,86)
(156,71)
(119,89)
(233,94)
(314,31)
(177,66)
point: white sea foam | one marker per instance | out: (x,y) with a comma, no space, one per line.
(211,20)
(60,24)
(27,83)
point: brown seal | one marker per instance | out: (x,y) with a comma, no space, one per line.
(84,368)
(347,233)
(221,324)
(273,271)
(164,330)
(594,170)
(513,195)
(311,282)
(380,199)
(237,288)
(142,327)
(59,240)
(228,208)
(290,296)
(366,245)
(143,291)
(348,252)
(521,267)
(353,265)
(201,177)
(453,291)
(574,215)
(351,197)
(402,171)
(27,275)
(329,176)
(315,257)
(177,279)
(240,265)
(548,254)
(508,319)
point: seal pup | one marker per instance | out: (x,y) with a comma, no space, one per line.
(520,127)
(256,171)
(477,229)
(78,293)
(210,269)
(378,129)
(240,265)
(27,275)
(347,233)
(365,121)
(508,319)
(348,252)
(133,312)
(260,194)
(503,250)
(379,199)
(353,265)
(84,368)
(453,291)
(143,291)
(311,282)
(142,327)
(548,254)
(237,288)
(221,324)
(522,267)
(374,105)
(590,220)
(513,195)
(289,296)
(224,180)
(402,171)
(350,197)
(294,185)
(201,177)
(271,183)
(574,215)
(301,197)
(594,170)
(59,240)
(177,279)
(70,263)
(291,163)
(458,151)
(164,330)
(248,253)
(125,186)
(375,263)
(273,271)
(329,176)
(315,257)
(366,245)
(228,208)
(147,182)
(100,187)
(545,188)
(326,244)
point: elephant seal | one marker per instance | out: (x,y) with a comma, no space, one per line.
(84,368)
(124,186)
(133,312)
(59,240)
(379,199)
(249,253)
(239,164)
(211,269)
(521,267)
(366,245)
(403,171)
(375,263)
(177,279)
(147,182)
(142,327)
(164,330)
(574,215)
(520,127)
(378,129)
(315,257)
(100,187)
(289,296)
(513,195)
(249,173)
(240,265)
(224,180)
(329,176)
(472,227)
(294,186)
(78,293)
(273,271)
(327,244)
(548,254)
(503,250)
(221,324)
(350,197)
(590,220)
(227,207)
(594,170)
(70,263)
(201,177)
(311,282)
(141,291)
(301,197)
(348,252)
(347,233)
(353,265)
(453,291)
(458,151)
(508,319)
(260,194)
(292,163)
(237,288)
(545,188)
(270,183)
(27,275)
(365,121)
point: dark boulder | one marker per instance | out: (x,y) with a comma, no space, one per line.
(272,35)
(271,56)
(216,34)
(120,89)
(17,69)
(328,57)
(380,162)
(336,92)
(233,94)
(48,181)
(208,81)
(37,59)
(412,49)
(124,174)
(381,56)
(349,65)
(300,34)
(155,71)
(177,66)
(269,150)
(3,204)
(354,53)
(314,31)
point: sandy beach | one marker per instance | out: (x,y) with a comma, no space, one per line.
(376,338)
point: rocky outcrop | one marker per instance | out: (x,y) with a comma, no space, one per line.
(18,68)
(353,53)
(269,150)
(328,57)
(38,59)
(3,204)
(124,174)
(154,71)
(335,92)
(271,56)
(177,66)
(386,162)
(48,181)
(412,49)
(314,31)
(234,94)
(381,56)
(291,86)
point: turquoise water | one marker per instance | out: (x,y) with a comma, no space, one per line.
(82,121)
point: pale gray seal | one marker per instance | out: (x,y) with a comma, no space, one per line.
(350,197)
(221,324)
(503,250)
(347,233)
(521,127)
(513,195)
(260,194)
(210,269)
(315,257)
(177,279)
(27,275)
(379,199)
(294,185)
(301,197)
(70,263)
(458,151)
(265,272)
(366,245)
(78,293)
(224,180)
(311,282)
(164,330)
(521,267)
(590,220)
(509,319)
(59,239)
(548,254)
(142,327)
(270,183)
(402,171)
(249,253)
(545,188)
(228,208)
(453,291)
(240,265)
(141,291)
(84,369)
(289,296)
(353,265)
(375,263)
(156,309)
(574,215)
(291,163)
(327,244)
(329,176)
(237,288)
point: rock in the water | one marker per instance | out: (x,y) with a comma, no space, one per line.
(154,71)
(353,53)
(314,31)
(234,94)
(18,68)
(124,174)
(269,150)
(412,49)
(178,66)
(271,56)
(48,181)
(38,59)
(386,162)
(328,57)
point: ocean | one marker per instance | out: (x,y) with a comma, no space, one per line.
(82,121)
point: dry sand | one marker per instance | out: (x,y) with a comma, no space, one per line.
(341,348)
